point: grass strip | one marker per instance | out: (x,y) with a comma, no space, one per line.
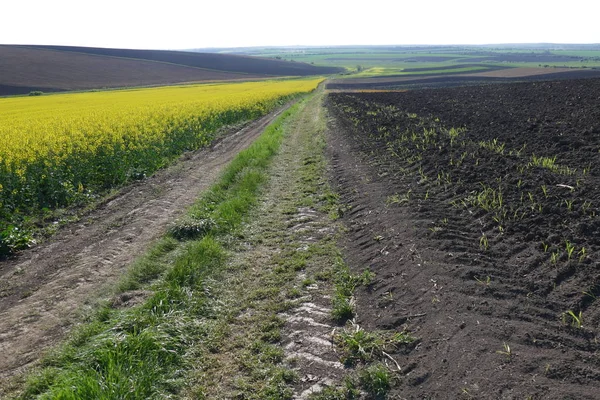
(143,352)
(275,267)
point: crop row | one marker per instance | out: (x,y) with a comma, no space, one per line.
(505,191)
(62,149)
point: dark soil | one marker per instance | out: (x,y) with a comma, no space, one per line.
(23,70)
(457,66)
(435,80)
(214,61)
(472,276)
(54,68)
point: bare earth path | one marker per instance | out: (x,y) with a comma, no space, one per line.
(42,290)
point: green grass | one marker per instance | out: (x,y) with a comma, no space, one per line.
(391,60)
(346,283)
(376,379)
(143,352)
(360,346)
(389,71)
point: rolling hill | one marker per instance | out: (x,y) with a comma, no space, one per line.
(56,68)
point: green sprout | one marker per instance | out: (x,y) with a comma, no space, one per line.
(570,247)
(483,242)
(575,320)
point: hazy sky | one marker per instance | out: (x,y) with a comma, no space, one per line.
(178,24)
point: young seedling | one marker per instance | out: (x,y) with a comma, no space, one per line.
(575,320)
(586,205)
(483,242)
(591,295)
(554,257)
(569,204)
(545,247)
(545,190)
(570,247)
(484,282)
(582,254)
(506,351)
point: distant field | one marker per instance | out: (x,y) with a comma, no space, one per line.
(401,57)
(379,71)
(53,69)
(444,79)
(221,62)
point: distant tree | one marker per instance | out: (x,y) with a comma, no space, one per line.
(359,68)
(36,93)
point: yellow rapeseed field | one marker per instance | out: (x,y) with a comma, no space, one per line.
(55,148)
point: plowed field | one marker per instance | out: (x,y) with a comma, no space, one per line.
(478,209)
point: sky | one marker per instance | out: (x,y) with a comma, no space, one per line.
(177,24)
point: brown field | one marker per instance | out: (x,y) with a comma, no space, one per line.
(520,72)
(484,253)
(221,62)
(52,69)
(434,80)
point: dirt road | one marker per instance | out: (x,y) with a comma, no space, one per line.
(43,290)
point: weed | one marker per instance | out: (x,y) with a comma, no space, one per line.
(342,307)
(376,380)
(397,199)
(358,345)
(347,392)
(345,284)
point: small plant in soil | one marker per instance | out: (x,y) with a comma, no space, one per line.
(582,254)
(554,257)
(570,318)
(483,242)
(484,282)
(569,204)
(570,248)
(506,351)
